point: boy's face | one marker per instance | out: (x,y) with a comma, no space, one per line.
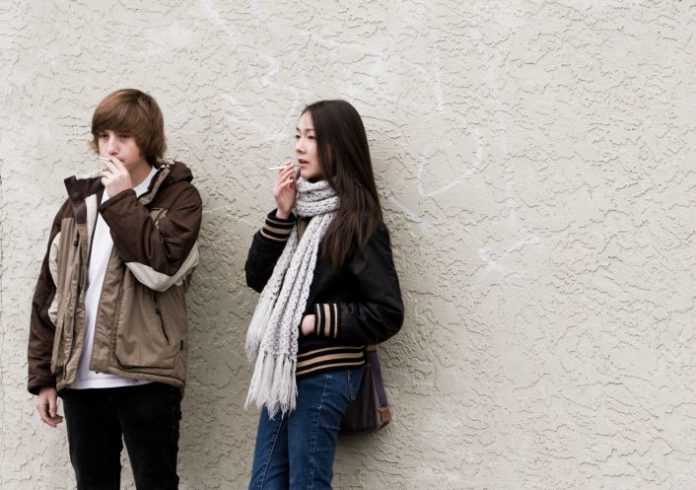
(122,146)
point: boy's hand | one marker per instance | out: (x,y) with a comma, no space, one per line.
(47,406)
(115,177)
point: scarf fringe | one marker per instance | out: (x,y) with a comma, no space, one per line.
(273,383)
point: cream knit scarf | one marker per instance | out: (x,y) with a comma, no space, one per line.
(272,336)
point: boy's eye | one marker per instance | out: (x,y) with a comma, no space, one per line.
(297,136)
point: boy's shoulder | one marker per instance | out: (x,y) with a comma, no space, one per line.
(177,183)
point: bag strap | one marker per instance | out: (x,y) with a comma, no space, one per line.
(376,370)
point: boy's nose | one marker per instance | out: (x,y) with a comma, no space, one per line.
(112,147)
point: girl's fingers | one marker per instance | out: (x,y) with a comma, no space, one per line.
(282,174)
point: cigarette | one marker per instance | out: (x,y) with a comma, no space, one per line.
(103,159)
(279,167)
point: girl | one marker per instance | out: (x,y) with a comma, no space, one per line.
(328,288)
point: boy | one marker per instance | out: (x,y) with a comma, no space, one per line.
(108,321)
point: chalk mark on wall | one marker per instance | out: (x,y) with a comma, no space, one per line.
(477,166)
(493,263)
(410,214)
(270,132)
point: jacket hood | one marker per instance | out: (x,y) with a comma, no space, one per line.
(169,172)
(176,172)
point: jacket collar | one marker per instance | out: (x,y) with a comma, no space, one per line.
(79,187)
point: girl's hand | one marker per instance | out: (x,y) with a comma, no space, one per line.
(284,190)
(308,323)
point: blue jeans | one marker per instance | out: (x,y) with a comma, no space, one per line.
(146,416)
(296,451)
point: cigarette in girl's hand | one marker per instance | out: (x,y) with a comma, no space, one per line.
(279,167)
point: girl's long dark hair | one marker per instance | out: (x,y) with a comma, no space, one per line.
(344,157)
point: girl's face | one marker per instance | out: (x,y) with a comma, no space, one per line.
(306,149)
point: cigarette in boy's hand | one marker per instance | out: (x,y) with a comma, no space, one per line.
(103,159)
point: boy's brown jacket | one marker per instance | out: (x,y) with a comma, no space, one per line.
(141,326)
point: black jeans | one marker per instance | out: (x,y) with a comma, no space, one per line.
(146,416)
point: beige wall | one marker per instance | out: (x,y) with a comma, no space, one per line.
(536,165)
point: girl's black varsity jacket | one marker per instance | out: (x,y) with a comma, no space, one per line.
(357,305)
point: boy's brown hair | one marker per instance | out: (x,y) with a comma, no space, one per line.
(136,113)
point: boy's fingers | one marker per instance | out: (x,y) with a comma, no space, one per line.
(52,407)
(117,163)
(43,413)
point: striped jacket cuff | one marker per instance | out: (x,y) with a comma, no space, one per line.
(324,359)
(277,229)
(327,324)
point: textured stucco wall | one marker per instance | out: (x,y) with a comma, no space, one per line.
(536,166)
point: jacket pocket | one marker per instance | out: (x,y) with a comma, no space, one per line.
(62,339)
(143,337)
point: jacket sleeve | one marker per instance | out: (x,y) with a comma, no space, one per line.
(379,313)
(159,255)
(42,328)
(266,248)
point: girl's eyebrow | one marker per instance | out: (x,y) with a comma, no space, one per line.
(306,130)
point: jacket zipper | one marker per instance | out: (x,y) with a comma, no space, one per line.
(72,310)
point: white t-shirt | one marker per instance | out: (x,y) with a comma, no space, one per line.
(98,261)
